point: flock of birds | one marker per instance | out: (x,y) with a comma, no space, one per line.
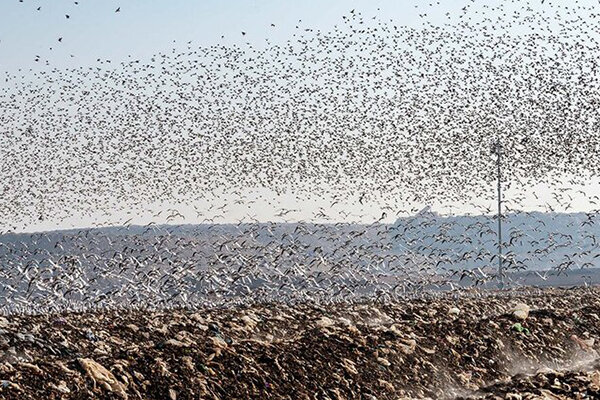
(368,112)
(230,264)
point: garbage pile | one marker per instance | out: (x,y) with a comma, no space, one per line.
(546,385)
(452,346)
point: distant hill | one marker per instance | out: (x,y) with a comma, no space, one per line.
(168,265)
(533,241)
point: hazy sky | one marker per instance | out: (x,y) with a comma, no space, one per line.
(145,27)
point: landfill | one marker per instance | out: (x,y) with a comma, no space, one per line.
(510,344)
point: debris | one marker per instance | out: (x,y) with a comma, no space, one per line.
(102,376)
(407,350)
(62,387)
(521,311)
(383,362)
(586,345)
(519,328)
(349,366)
(4,384)
(455,311)
(325,322)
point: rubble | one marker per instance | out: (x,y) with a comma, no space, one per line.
(407,350)
(545,385)
(103,377)
(521,311)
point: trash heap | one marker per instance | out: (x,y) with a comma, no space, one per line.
(528,344)
(546,384)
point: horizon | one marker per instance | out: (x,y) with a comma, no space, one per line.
(422,213)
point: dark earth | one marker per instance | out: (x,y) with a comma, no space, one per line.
(526,344)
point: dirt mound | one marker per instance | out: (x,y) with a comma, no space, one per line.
(466,346)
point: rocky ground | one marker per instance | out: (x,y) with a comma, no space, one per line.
(505,345)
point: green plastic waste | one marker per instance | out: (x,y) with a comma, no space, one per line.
(519,328)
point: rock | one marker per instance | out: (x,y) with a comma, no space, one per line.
(521,311)
(454,311)
(172,394)
(102,376)
(3,323)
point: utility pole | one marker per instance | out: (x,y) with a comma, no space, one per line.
(499,154)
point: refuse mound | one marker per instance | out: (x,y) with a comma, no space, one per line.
(546,385)
(470,345)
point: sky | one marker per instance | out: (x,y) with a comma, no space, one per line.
(145,27)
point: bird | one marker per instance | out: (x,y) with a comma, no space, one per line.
(209,144)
